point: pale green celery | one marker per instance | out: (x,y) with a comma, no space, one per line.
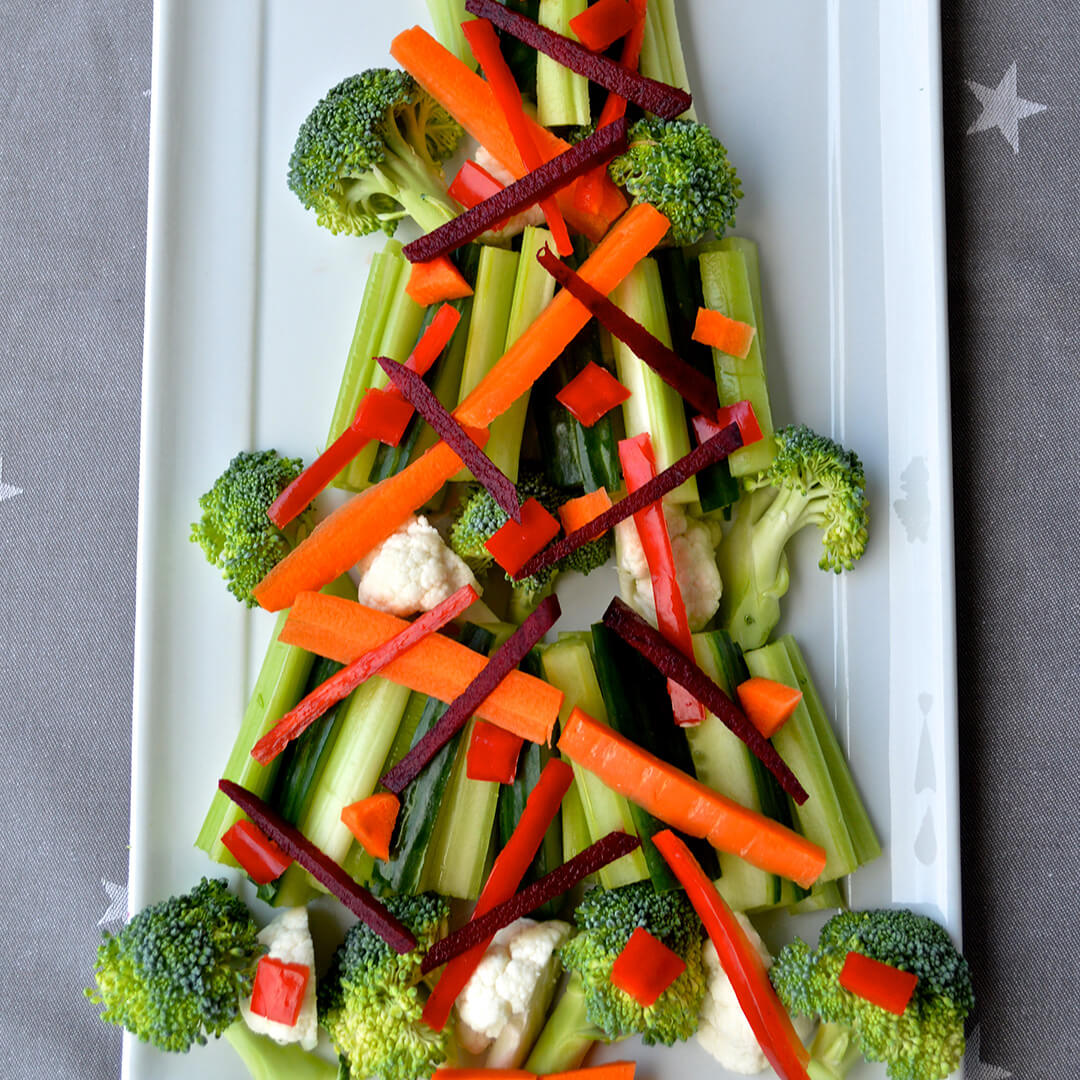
(653,406)
(447,379)
(661,49)
(568,666)
(266,1060)
(562,97)
(296,888)
(749,251)
(446,18)
(575,828)
(822,897)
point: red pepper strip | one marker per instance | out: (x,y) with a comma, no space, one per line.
(603,23)
(321,867)
(340,686)
(493,753)
(591,393)
(646,967)
(708,453)
(261,859)
(686,380)
(473,185)
(484,43)
(383,415)
(506,658)
(880,984)
(741,413)
(513,543)
(740,961)
(318,475)
(419,394)
(278,992)
(510,866)
(484,927)
(665,657)
(655,97)
(639,467)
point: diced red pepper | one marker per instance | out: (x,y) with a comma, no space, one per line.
(741,413)
(646,967)
(513,544)
(278,993)
(591,393)
(261,859)
(603,23)
(472,185)
(577,513)
(880,984)
(382,415)
(493,753)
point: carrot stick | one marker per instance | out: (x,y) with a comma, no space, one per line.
(446,1073)
(685,803)
(767,704)
(577,513)
(371,821)
(437,666)
(610,1070)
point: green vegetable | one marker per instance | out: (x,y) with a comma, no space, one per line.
(234,532)
(812,481)
(369,154)
(174,974)
(370,1000)
(446,19)
(568,1034)
(562,97)
(926,1042)
(683,170)
(268,1060)
(661,49)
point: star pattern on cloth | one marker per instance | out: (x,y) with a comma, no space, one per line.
(116,914)
(1002,108)
(7,491)
(974,1066)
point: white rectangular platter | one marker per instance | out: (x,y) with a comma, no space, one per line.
(831,111)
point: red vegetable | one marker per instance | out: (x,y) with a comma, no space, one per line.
(880,984)
(636,632)
(506,658)
(515,542)
(596,856)
(510,866)
(493,753)
(687,381)
(652,96)
(436,279)
(577,513)
(278,992)
(646,967)
(372,821)
(603,23)
(535,186)
(742,965)
(728,335)
(339,686)
(472,185)
(417,392)
(767,704)
(639,467)
(708,453)
(261,859)
(321,867)
(741,413)
(591,393)
(382,415)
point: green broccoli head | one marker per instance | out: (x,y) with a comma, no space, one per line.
(175,973)
(234,532)
(683,170)
(606,918)
(370,1002)
(369,154)
(927,1041)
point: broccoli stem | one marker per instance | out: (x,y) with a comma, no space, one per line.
(567,1036)
(447,17)
(661,49)
(833,1052)
(266,1060)
(562,98)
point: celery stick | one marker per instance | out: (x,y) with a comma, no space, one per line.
(447,379)
(575,828)
(446,18)
(267,1060)
(561,96)
(661,49)
(753,268)
(822,897)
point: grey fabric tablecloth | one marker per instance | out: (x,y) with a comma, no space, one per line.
(75,89)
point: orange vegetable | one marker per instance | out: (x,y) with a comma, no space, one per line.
(767,704)
(440,279)
(576,513)
(437,665)
(685,803)
(611,1070)
(371,821)
(728,335)
(446,1073)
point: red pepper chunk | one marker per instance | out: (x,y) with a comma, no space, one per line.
(382,415)
(261,859)
(603,23)
(513,544)
(473,185)
(741,413)
(591,393)
(880,984)
(493,753)
(646,967)
(279,989)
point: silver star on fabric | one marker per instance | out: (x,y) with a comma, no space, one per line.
(1002,108)
(116,913)
(7,491)
(974,1066)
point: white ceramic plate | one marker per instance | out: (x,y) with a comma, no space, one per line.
(831,111)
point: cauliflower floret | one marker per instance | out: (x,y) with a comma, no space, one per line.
(288,938)
(533,216)
(411,570)
(693,545)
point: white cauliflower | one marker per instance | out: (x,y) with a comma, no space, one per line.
(411,570)
(532,216)
(288,939)
(693,545)
(505,1000)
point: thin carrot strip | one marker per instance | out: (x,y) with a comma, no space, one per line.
(609,1070)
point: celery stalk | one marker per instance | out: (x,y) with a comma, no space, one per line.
(661,49)
(267,1060)
(562,97)
(446,18)
(447,379)
(575,828)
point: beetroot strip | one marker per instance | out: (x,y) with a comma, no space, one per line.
(321,867)
(506,658)
(561,880)
(666,658)
(708,453)
(532,188)
(653,96)
(420,396)
(687,381)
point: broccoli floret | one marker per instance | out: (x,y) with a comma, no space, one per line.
(370,1002)
(234,532)
(811,481)
(683,170)
(175,973)
(927,1041)
(369,154)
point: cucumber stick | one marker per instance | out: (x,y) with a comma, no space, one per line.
(661,49)
(562,97)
